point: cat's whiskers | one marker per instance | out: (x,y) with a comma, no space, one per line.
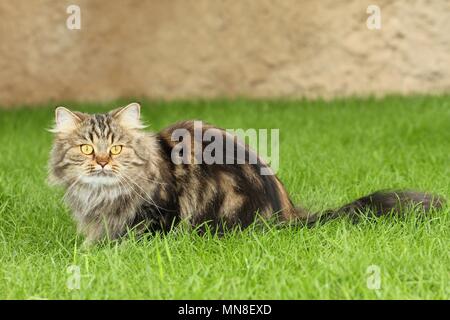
(137,193)
(73,184)
(130,180)
(145,193)
(153,181)
(117,168)
(122,191)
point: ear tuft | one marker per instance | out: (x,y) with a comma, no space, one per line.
(65,120)
(129,116)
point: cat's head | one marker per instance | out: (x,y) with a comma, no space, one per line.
(100,149)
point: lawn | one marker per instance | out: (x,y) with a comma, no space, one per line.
(330,153)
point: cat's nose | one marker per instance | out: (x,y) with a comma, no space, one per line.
(102,163)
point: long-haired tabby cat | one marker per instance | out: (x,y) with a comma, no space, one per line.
(119,177)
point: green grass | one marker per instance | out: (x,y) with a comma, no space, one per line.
(330,153)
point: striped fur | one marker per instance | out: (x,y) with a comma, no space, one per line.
(143,189)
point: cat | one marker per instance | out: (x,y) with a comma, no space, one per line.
(118,176)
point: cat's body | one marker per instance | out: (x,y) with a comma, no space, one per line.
(142,188)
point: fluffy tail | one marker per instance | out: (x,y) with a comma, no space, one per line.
(378,204)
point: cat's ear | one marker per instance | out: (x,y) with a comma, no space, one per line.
(66,120)
(129,116)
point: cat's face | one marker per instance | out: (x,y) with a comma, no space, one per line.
(97,150)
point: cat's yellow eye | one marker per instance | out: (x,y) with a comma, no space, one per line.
(87,149)
(115,150)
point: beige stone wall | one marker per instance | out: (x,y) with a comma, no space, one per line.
(220,48)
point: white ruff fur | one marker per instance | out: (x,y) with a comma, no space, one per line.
(96,207)
(91,197)
(95,181)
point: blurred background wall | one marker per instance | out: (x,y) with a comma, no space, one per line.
(220,48)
